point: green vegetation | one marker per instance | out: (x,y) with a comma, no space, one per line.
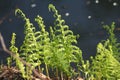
(53,52)
(113,41)
(105,65)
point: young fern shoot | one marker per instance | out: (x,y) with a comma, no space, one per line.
(105,66)
(113,40)
(63,41)
(14,49)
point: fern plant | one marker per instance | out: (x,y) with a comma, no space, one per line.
(14,49)
(63,41)
(43,42)
(105,66)
(56,50)
(29,50)
(113,40)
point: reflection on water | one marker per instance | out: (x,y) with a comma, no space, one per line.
(85,17)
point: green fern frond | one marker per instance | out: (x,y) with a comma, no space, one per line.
(14,49)
(113,40)
(105,66)
(29,50)
(63,41)
(44,43)
(19,12)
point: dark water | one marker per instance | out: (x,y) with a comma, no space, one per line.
(85,17)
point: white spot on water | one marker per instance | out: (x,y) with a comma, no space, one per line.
(115,4)
(96,1)
(89,17)
(67,14)
(33,5)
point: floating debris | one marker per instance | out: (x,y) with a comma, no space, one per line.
(33,5)
(67,14)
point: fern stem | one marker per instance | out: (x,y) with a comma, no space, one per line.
(47,72)
(39,69)
(27,72)
(57,74)
(61,75)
